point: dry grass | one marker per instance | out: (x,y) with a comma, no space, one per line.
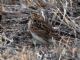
(66,48)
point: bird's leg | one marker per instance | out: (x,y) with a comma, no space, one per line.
(54,42)
(34,42)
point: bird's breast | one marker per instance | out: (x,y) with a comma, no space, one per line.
(38,38)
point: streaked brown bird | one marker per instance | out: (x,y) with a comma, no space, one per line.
(41,30)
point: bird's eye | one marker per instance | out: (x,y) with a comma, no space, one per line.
(34,20)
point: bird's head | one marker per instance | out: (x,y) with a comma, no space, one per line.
(37,17)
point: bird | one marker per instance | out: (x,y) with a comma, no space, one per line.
(41,31)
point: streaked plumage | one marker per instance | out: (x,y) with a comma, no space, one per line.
(41,30)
